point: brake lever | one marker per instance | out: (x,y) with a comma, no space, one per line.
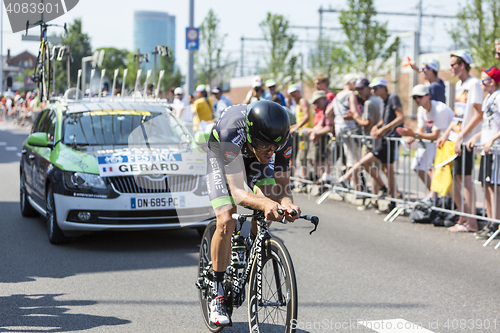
(313,219)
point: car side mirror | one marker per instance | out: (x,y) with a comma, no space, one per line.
(201,138)
(39,140)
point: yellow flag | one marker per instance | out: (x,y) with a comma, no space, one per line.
(442,181)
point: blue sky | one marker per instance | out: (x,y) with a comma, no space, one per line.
(110,22)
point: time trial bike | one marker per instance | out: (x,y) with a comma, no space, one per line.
(268,270)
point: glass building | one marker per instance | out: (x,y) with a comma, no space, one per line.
(151,29)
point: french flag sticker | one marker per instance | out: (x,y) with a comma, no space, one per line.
(110,169)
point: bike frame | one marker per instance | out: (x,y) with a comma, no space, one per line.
(239,280)
(255,254)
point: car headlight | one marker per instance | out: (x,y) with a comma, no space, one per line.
(83,181)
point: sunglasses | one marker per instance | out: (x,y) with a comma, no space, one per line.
(483,81)
(264,146)
(495,52)
(417,97)
(426,68)
(453,65)
(376,87)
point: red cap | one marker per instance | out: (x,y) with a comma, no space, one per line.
(493,72)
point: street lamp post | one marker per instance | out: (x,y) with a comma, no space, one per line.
(190,81)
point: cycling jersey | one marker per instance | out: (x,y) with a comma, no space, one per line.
(229,154)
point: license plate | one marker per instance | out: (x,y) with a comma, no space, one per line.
(155,203)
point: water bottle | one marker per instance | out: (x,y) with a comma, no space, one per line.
(238,253)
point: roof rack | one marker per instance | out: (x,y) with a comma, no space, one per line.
(75,95)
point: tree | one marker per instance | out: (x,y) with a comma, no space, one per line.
(366,38)
(477,29)
(114,59)
(275,31)
(209,56)
(132,72)
(80,47)
(328,58)
(172,76)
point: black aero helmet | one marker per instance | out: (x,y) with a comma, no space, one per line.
(267,122)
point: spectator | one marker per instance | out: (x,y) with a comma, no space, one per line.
(319,136)
(181,106)
(433,117)
(276,99)
(150,90)
(305,119)
(203,107)
(271,85)
(489,169)
(385,150)
(344,123)
(430,70)
(257,92)
(170,94)
(370,116)
(223,102)
(468,117)
(322,82)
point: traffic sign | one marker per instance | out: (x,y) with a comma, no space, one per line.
(192,38)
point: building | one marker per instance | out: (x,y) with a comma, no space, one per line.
(152,29)
(14,67)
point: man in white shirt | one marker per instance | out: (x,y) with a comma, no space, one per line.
(467,122)
(433,118)
(223,102)
(181,106)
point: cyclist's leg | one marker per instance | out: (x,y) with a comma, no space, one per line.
(221,241)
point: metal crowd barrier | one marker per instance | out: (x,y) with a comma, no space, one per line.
(328,155)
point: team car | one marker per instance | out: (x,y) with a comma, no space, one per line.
(93,166)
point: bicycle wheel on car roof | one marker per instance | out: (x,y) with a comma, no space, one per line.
(277,310)
(45,73)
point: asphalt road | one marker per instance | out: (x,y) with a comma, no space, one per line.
(356,267)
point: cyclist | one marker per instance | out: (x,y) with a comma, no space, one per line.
(241,148)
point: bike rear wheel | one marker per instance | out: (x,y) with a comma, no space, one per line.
(203,260)
(277,312)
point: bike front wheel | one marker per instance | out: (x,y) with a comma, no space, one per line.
(204,259)
(277,310)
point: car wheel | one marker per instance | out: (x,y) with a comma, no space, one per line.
(55,234)
(27,209)
(201,231)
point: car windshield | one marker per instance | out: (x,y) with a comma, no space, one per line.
(122,127)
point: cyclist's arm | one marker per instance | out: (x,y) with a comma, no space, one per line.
(304,106)
(244,198)
(284,195)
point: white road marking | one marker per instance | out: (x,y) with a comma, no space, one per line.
(11,148)
(394,325)
(3,143)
